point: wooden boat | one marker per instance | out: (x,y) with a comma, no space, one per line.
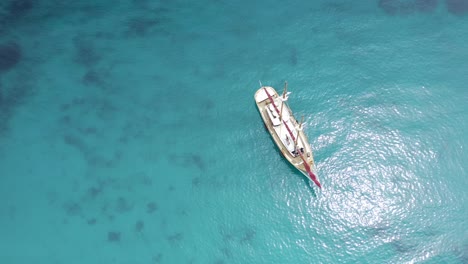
(286,132)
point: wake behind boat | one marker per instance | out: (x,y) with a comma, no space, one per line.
(287,133)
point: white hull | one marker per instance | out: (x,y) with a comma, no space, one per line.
(278,128)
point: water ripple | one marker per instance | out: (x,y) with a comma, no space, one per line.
(380,159)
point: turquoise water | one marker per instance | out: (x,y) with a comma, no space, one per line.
(129,134)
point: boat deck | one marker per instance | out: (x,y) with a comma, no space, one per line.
(278,128)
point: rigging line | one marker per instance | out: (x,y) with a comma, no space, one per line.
(304,162)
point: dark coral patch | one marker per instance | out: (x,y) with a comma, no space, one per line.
(64,107)
(93,192)
(397,7)
(72,208)
(208,104)
(426,6)
(18,8)
(187,160)
(196,182)
(177,237)
(140,26)
(457,7)
(85,52)
(10,55)
(248,235)
(227,237)
(10,99)
(401,246)
(91,78)
(139,225)
(146,180)
(389,6)
(151,207)
(113,236)
(92,221)
(76,142)
(405,7)
(65,120)
(226,252)
(198,161)
(157,258)
(17,94)
(89,131)
(2,98)
(122,205)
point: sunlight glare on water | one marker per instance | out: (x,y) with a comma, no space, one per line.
(129,134)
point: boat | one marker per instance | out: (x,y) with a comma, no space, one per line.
(286,131)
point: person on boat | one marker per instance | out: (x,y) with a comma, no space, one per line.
(296,153)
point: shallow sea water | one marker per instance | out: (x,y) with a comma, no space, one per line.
(129,134)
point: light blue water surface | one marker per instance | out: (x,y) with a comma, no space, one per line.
(129,133)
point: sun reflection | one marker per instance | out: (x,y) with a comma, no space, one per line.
(377,167)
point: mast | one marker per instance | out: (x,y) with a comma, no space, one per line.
(283,99)
(299,128)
